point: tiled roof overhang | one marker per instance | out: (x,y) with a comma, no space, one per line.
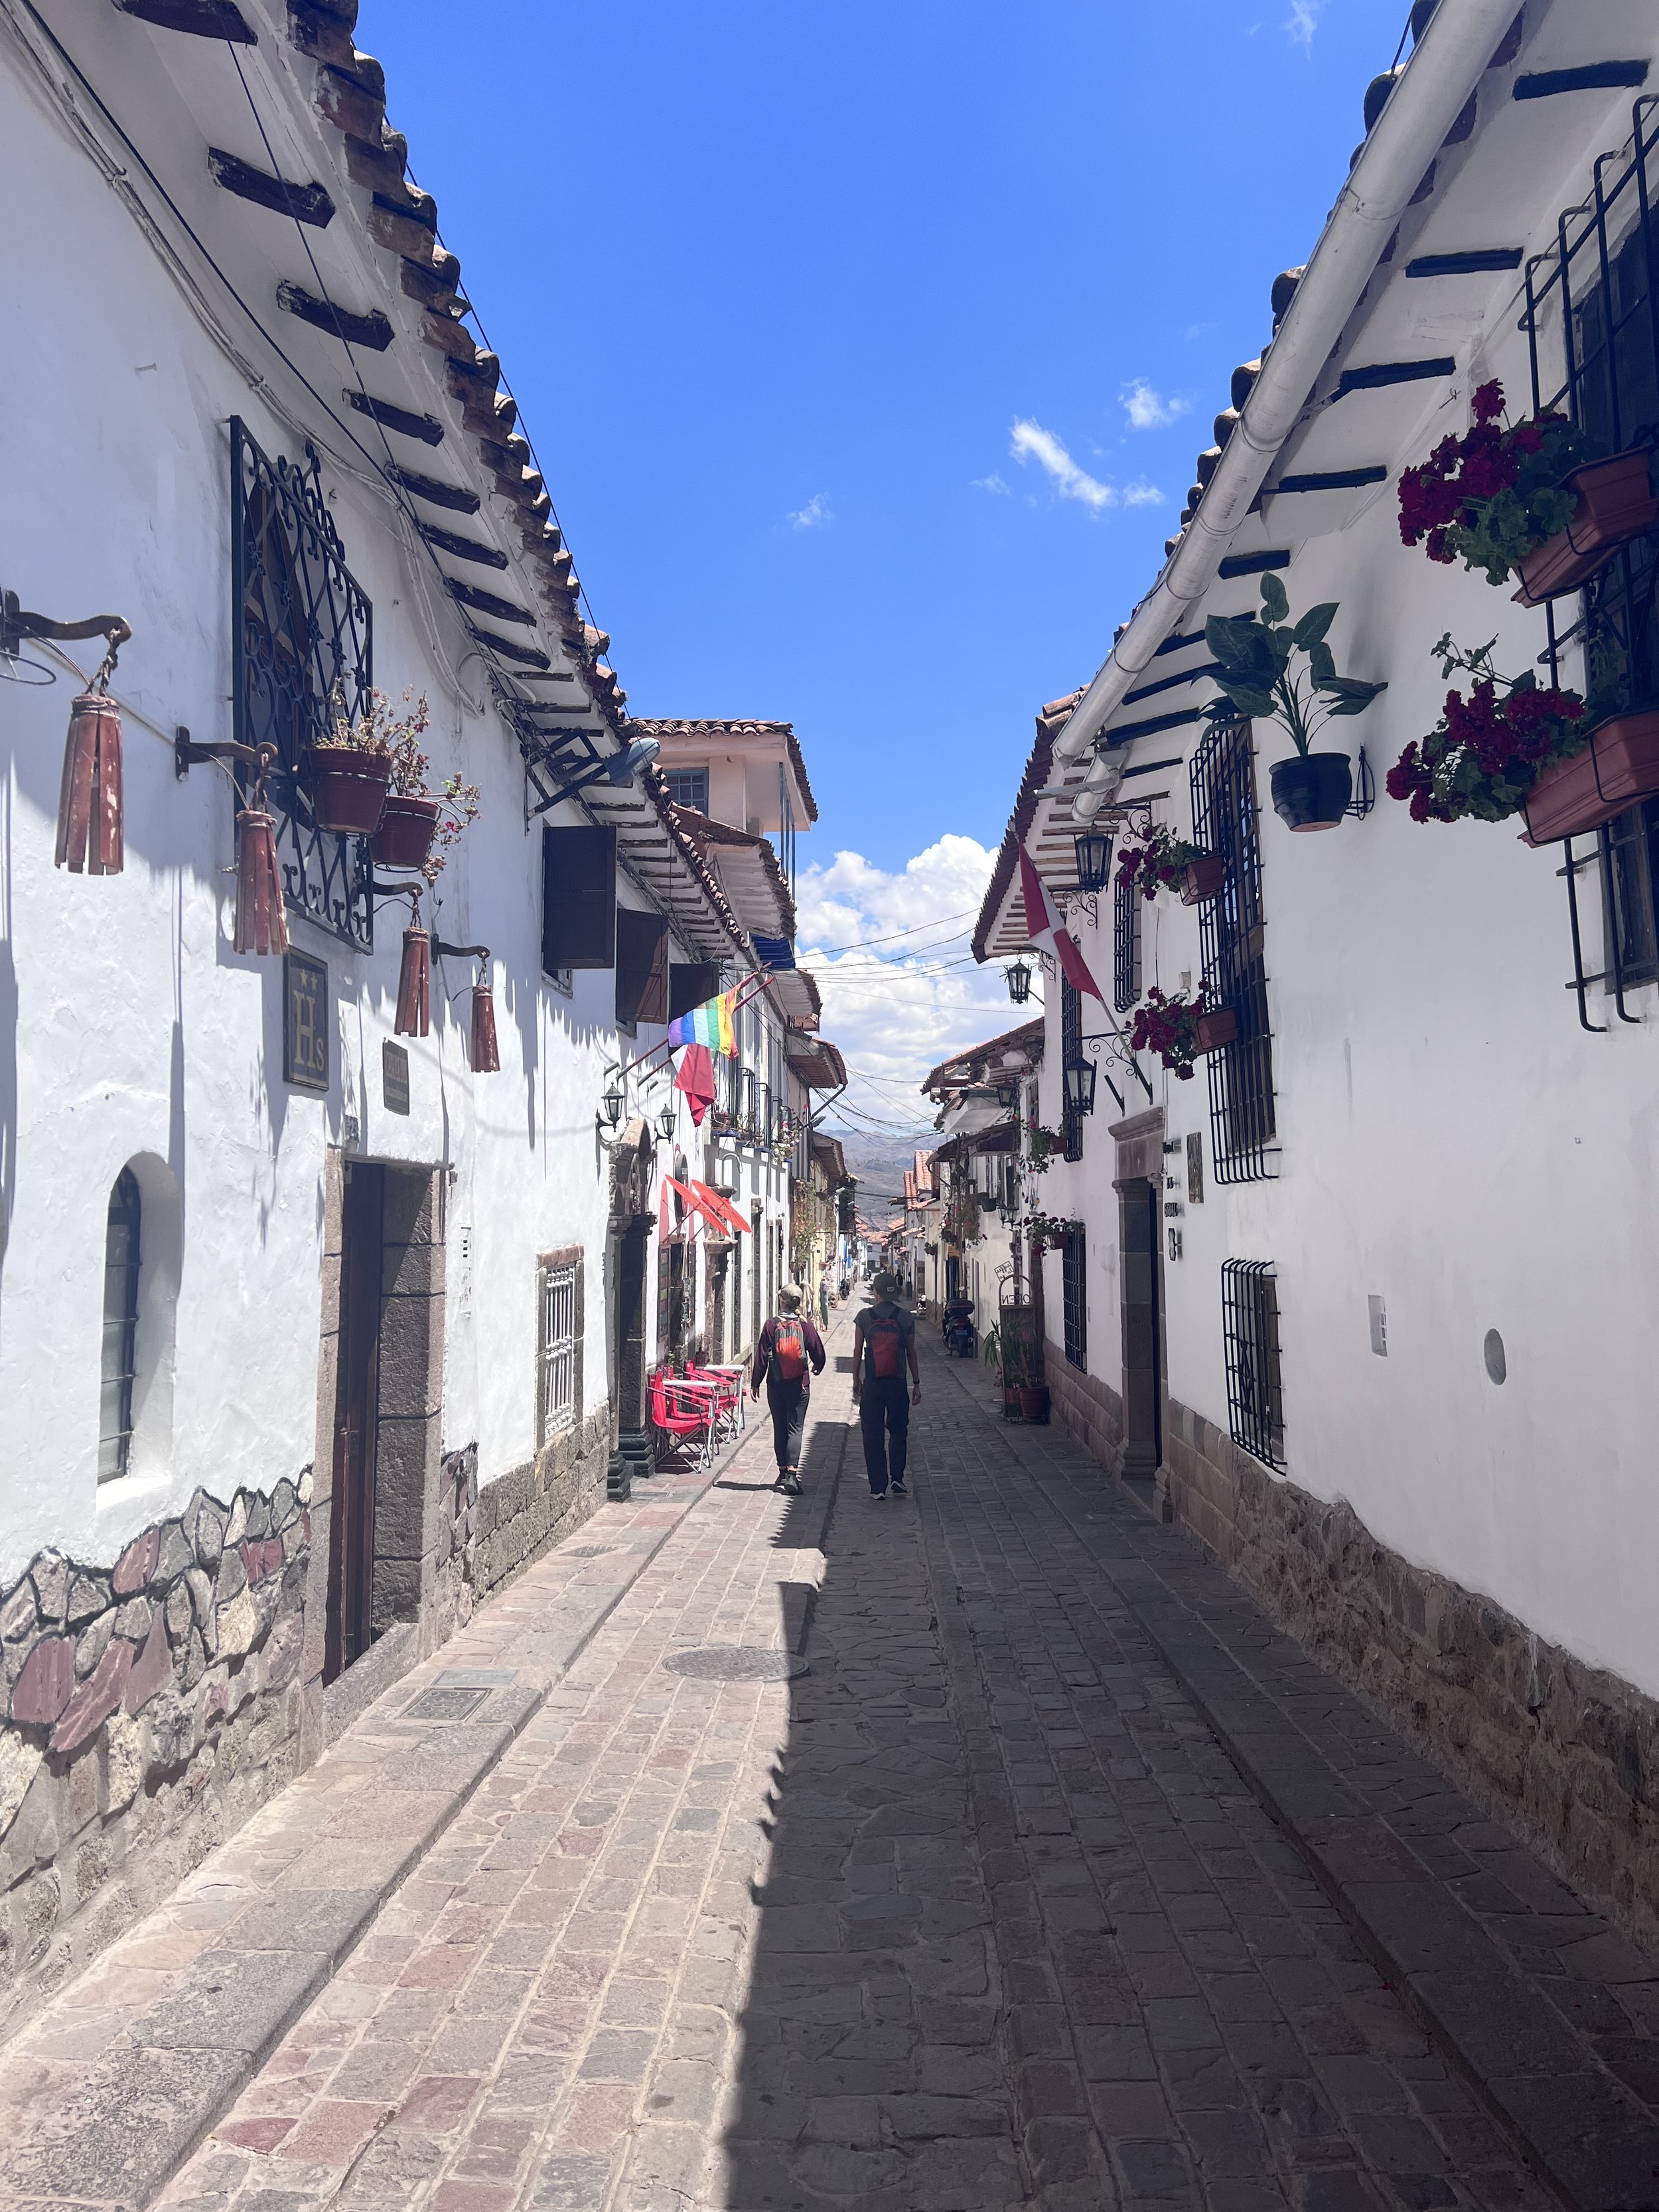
(737,734)
(816,1063)
(1001,929)
(966,1066)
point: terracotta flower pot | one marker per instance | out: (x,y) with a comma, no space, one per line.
(1620,765)
(1011,1397)
(1616,504)
(1204,877)
(1034,1402)
(1217,1028)
(349,788)
(407,828)
(1311,790)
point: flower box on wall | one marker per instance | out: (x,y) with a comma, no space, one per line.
(1204,879)
(1217,1028)
(407,828)
(1620,766)
(1616,504)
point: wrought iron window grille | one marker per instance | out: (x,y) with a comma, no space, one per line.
(1592,300)
(118,1360)
(1074,1282)
(1243,1123)
(1126,945)
(1249,1322)
(302,656)
(1071,1051)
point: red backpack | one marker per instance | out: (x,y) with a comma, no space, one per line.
(788,1351)
(886,1341)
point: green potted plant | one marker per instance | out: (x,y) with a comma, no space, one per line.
(1163,861)
(1180,1030)
(1310,791)
(1535,500)
(348,768)
(1515,746)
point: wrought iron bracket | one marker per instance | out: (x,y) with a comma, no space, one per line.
(1365,797)
(187,754)
(1084,902)
(17,625)
(1113,1044)
(441,951)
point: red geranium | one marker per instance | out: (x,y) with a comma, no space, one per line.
(1494,496)
(1486,751)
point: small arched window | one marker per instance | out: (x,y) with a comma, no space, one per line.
(120,1362)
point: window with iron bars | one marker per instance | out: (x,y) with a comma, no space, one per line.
(1071,1050)
(1242,1123)
(1594,296)
(1074,1280)
(302,643)
(1126,903)
(1250,1323)
(120,1338)
(558,1349)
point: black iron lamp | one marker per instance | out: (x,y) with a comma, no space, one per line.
(1007,1094)
(1080,1079)
(666,1121)
(1019,982)
(612,1104)
(1094,859)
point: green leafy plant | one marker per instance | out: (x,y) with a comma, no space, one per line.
(1169,1027)
(1494,495)
(1258,680)
(1042,1144)
(1046,1229)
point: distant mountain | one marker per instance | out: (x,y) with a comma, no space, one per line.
(879,1163)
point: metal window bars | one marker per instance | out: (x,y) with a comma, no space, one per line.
(1071,1051)
(302,643)
(1242,1119)
(1593,301)
(119,1357)
(1250,1323)
(1126,903)
(1073,1278)
(559,1353)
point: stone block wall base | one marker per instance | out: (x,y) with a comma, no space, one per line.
(1087,1408)
(1566,1752)
(516,1517)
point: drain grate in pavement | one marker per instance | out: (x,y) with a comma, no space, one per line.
(736,1662)
(445,1704)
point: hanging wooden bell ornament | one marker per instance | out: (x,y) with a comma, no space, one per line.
(89,803)
(261,923)
(485,1055)
(415,984)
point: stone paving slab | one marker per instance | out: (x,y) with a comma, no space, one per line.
(106,2093)
(1547,2012)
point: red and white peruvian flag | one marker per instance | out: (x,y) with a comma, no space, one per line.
(1046,931)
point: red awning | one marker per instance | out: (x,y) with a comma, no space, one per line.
(725,1212)
(701,1199)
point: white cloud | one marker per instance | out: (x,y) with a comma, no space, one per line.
(813,515)
(992,483)
(1147,410)
(1031,442)
(1142,494)
(897,1008)
(1301,22)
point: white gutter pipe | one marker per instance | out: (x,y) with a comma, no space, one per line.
(1431,93)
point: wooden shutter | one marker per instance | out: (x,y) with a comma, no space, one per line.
(641,966)
(579,898)
(692,983)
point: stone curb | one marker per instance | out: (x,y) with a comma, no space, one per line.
(1572,2123)
(104,2101)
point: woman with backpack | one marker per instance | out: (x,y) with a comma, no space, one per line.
(787,1343)
(883,1347)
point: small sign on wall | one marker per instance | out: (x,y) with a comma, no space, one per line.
(305,1021)
(394,1077)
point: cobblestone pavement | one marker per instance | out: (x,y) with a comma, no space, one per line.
(978,1912)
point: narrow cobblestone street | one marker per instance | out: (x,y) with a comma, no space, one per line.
(977,1912)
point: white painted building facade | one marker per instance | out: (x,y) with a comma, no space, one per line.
(1368,1299)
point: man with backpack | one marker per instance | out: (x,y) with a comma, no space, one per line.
(787,1343)
(884,1344)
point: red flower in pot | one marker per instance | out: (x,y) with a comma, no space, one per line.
(1180,1029)
(1162,861)
(418,827)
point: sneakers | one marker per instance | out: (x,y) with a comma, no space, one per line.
(899,1491)
(790,1486)
(880,1497)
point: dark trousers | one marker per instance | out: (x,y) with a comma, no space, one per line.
(787,1402)
(885,1418)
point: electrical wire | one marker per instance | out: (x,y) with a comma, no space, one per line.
(859,944)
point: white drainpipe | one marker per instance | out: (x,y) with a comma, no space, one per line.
(1444,68)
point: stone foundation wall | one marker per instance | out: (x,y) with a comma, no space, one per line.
(150,1707)
(1566,1752)
(453,1598)
(515,1518)
(1089,1409)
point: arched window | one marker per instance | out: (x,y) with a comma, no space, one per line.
(120,1362)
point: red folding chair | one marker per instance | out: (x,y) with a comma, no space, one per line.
(683,1413)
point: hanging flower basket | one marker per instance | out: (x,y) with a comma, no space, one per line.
(407,828)
(1181,1030)
(1161,862)
(1311,790)
(1495,496)
(1619,766)
(1217,1028)
(1203,878)
(349,785)
(1615,503)
(1489,750)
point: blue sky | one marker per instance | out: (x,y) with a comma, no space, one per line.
(774,286)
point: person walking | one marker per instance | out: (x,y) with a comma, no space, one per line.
(884,1344)
(789,1354)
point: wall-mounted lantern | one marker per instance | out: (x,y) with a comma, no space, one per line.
(1019,982)
(1094,859)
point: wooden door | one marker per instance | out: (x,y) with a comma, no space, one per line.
(351,1543)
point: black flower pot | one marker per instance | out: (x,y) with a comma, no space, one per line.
(1311,790)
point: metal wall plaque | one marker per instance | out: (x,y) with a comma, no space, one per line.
(394,1077)
(305,1021)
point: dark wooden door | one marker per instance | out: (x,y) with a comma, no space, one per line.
(351,1552)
